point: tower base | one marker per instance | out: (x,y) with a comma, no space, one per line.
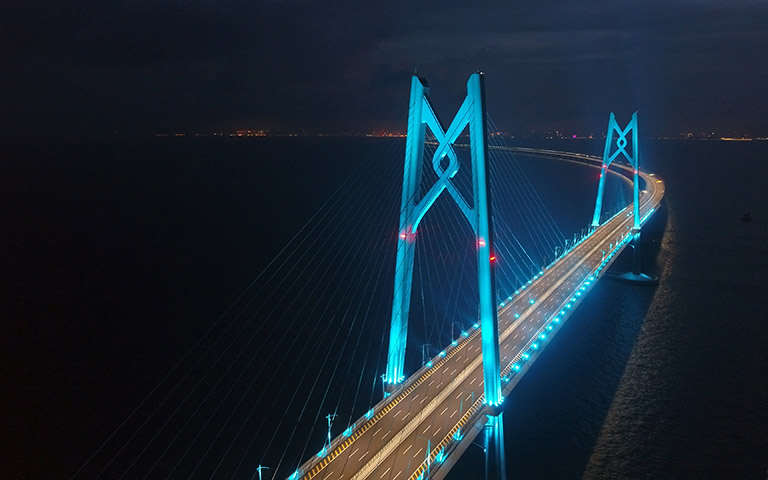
(390,388)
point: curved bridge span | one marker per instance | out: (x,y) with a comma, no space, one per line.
(422,428)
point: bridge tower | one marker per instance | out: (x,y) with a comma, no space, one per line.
(634,161)
(471,114)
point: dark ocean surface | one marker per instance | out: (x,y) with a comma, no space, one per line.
(116,257)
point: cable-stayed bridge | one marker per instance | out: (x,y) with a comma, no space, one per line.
(291,368)
(448,391)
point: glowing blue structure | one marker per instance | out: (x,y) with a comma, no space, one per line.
(412,210)
(608,158)
(634,161)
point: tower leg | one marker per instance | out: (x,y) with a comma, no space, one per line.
(485,268)
(603,173)
(398,332)
(401,303)
(599,200)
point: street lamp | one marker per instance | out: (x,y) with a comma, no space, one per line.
(452,324)
(258,470)
(429,450)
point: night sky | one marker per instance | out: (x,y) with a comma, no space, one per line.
(94,68)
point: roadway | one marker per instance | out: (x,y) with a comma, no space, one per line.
(392,443)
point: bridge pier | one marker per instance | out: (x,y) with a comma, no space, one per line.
(636,277)
(495,459)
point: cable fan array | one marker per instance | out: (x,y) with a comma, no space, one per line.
(301,350)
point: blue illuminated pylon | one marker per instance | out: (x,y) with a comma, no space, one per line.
(412,210)
(634,160)
(608,158)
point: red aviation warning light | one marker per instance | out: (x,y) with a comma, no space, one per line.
(407,234)
(480,242)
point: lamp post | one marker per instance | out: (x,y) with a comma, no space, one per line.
(259,469)
(427,455)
